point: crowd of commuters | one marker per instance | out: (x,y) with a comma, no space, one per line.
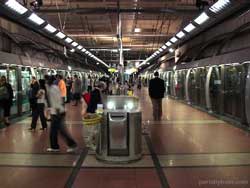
(48,96)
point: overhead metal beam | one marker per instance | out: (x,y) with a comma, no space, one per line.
(177,11)
(124,35)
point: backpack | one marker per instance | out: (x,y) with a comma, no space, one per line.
(86,97)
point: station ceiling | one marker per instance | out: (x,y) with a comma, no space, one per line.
(146,24)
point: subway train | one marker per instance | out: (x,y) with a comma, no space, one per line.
(19,76)
(220,85)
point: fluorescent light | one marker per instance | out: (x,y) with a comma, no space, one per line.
(180,35)
(171,50)
(36,19)
(15,6)
(173,39)
(161,50)
(83,50)
(72,50)
(157,52)
(74,44)
(50,28)
(137,30)
(68,40)
(164,47)
(60,35)
(190,27)
(219,5)
(79,47)
(168,43)
(202,18)
(97,63)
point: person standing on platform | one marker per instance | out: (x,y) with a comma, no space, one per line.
(6,99)
(156,92)
(62,88)
(33,99)
(96,96)
(39,111)
(69,87)
(89,84)
(57,112)
(76,90)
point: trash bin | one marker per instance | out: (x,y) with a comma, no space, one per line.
(120,133)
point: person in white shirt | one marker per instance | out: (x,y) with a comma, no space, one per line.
(57,112)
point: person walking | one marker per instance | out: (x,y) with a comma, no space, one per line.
(76,90)
(57,112)
(62,88)
(39,110)
(156,92)
(6,99)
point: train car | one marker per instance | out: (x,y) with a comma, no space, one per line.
(221,87)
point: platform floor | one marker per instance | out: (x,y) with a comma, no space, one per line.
(187,149)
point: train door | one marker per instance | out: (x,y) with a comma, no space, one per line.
(214,80)
(192,86)
(171,77)
(247,93)
(167,81)
(200,87)
(13,80)
(232,90)
(181,84)
(25,82)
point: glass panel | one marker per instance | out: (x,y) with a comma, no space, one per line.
(215,84)
(14,84)
(232,98)
(25,79)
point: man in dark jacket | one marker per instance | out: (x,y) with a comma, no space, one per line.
(6,99)
(156,92)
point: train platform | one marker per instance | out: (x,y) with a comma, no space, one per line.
(188,148)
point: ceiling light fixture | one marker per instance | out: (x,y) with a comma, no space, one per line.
(83,50)
(190,27)
(36,19)
(202,18)
(171,50)
(161,50)
(15,6)
(164,47)
(50,28)
(219,5)
(168,43)
(137,30)
(60,35)
(180,35)
(68,40)
(173,39)
(74,44)
(79,47)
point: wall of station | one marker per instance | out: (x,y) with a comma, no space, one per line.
(229,36)
(24,47)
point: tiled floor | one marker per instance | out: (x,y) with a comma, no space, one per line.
(193,148)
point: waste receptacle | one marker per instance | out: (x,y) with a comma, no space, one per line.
(120,132)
